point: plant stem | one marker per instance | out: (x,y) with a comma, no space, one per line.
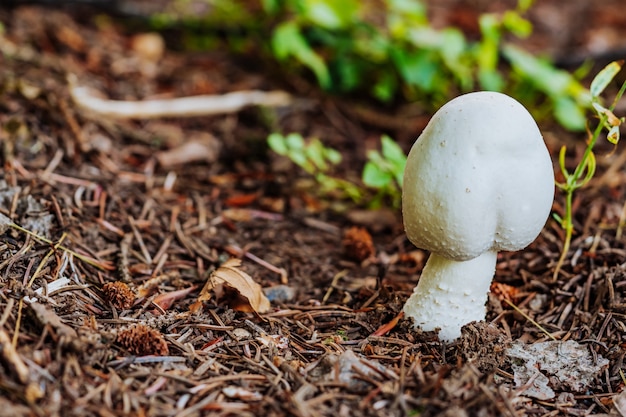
(573,182)
(569,228)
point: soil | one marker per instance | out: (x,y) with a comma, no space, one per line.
(103,304)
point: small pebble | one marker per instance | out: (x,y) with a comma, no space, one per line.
(280,293)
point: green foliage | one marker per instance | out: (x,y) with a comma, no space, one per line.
(389,50)
(347,50)
(383,172)
(568,98)
(289,41)
(585,169)
(317,160)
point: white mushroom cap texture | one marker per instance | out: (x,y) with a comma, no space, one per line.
(478,178)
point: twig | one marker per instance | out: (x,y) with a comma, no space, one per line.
(93,262)
(333,284)
(236,250)
(202,105)
(11,357)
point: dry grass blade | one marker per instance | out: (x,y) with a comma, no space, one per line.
(527,317)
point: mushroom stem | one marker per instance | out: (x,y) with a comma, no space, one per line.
(451,294)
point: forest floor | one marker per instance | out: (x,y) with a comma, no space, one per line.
(103,305)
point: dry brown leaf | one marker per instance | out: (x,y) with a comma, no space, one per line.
(230,282)
(166,300)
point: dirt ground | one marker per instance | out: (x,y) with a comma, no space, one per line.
(103,305)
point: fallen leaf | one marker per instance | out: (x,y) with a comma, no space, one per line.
(166,300)
(230,282)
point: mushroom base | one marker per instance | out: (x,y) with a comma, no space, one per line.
(451,294)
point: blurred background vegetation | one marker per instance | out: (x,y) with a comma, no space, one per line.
(385,50)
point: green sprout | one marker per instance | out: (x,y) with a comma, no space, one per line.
(383,171)
(315,159)
(586,167)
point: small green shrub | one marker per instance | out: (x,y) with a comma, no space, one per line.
(317,160)
(382,173)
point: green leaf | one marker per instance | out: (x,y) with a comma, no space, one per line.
(562,165)
(333,156)
(271,7)
(418,68)
(524,5)
(331,14)
(569,114)
(540,72)
(385,88)
(603,78)
(405,15)
(490,80)
(277,143)
(394,155)
(487,53)
(454,55)
(515,23)
(414,9)
(392,151)
(294,141)
(374,177)
(287,40)
(590,167)
(315,153)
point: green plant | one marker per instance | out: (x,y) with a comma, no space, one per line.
(315,159)
(383,171)
(585,169)
(403,55)
(388,50)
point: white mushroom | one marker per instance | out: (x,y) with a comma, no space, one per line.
(478,180)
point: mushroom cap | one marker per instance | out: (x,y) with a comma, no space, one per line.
(478,178)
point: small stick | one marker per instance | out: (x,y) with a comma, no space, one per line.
(236,250)
(11,357)
(202,105)
(139,239)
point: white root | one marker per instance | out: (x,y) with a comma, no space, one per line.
(202,105)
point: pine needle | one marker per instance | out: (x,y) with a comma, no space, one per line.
(527,317)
